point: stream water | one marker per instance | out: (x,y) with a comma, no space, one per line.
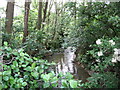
(65,64)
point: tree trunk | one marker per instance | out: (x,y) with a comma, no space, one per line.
(55,21)
(45,10)
(26,16)
(75,13)
(0,34)
(40,15)
(9,18)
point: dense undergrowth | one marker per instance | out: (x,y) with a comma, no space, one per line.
(93,29)
(23,71)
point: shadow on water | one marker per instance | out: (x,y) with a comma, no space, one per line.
(65,64)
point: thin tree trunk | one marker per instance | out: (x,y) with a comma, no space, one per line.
(75,13)
(40,15)
(55,22)
(50,7)
(45,10)
(9,17)
(48,21)
(0,34)
(26,16)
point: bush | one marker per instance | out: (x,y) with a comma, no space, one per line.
(102,54)
(60,80)
(102,80)
(102,60)
(22,71)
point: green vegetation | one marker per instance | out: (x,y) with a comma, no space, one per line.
(93,29)
(23,71)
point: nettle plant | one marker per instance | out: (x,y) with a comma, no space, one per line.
(103,54)
(22,71)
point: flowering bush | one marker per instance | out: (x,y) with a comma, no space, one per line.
(104,53)
(103,59)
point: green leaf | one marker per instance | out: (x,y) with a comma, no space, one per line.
(64,83)
(24,84)
(46,85)
(9,49)
(61,74)
(15,63)
(22,54)
(35,74)
(68,75)
(73,83)
(41,70)
(42,66)
(6,43)
(12,66)
(54,79)
(6,78)
(1,52)
(45,77)
(26,54)
(28,68)
(24,65)
(12,80)
(20,80)
(1,74)
(16,69)
(25,76)
(17,86)
(51,74)
(15,53)
(7,72)
(35,58)
(33,65)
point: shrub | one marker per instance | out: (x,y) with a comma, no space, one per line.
(102,80)
(22,71)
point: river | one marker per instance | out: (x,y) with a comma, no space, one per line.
(65,64)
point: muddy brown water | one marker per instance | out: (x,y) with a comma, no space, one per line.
(65,64)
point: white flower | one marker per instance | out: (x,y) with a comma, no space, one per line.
(43,23)
(100,53)
(118,58)
(116,51)
(112,42)
(98,42)
(98,60)
(114,60)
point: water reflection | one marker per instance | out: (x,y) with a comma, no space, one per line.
(65,64)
